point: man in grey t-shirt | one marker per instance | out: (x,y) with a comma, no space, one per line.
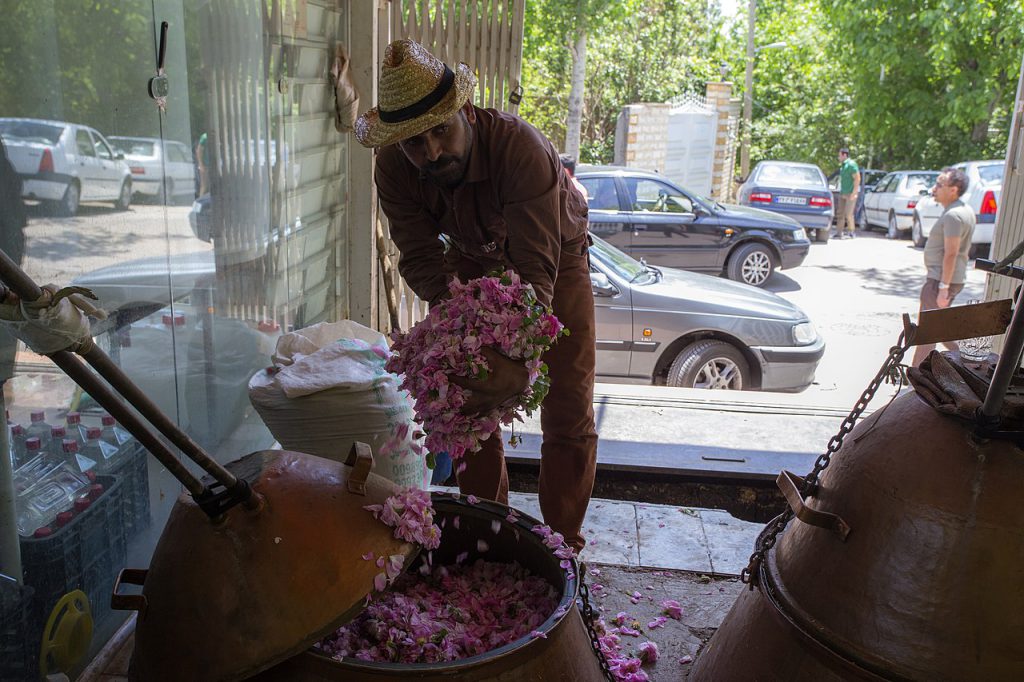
(947,248)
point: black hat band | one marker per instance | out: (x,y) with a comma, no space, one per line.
(424,105)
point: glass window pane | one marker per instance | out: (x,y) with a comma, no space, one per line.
(601,194)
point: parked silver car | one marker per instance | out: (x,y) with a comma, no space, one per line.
(678,328)
(162,170)
(63,163)
(890,203)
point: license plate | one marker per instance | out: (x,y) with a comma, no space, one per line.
(792,200)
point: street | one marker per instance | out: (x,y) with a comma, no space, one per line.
(856,291)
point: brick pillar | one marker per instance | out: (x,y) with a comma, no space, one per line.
(718,97)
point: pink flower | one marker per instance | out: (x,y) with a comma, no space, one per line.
(658,622)
(648,652)
(671,608)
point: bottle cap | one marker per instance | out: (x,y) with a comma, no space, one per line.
(95,490)
(64,518)
(81,504)
(38,416)
(33,443)
(91,475)
(43,532)
(17,430)
(74,418)
(268,326)
(69,445)
(107,420)
(58,432)
(178,320)
(93,432)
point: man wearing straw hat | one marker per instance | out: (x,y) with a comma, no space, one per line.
(494,188)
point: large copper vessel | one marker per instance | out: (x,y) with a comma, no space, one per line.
(917,575)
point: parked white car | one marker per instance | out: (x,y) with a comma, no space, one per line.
(164,171)
(63,164)
(985,185)
(890,203)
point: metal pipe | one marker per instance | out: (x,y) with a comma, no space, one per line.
(10,547)
(1006,367)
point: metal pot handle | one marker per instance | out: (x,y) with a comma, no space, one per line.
(360,458)
(129,602)
(789,483)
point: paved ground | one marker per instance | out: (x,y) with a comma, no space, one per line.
(856,291)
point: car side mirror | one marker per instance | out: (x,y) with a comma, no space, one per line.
(119,157)
(601,285)
(925,192)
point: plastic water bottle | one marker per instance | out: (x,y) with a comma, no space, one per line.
(112,433)
(39,428)
(17,442)
(34,468)
(75,459)
(98,450)
(55,448)
(75,429)
(56,492)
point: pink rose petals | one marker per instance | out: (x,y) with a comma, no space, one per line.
(448,615)
(671,608)
(648,652)
(411,514)
(658,622)
(472,499)
(498,312)
(686,659)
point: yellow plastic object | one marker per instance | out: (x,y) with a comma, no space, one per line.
(67,635)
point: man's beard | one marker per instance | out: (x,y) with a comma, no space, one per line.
(447,171)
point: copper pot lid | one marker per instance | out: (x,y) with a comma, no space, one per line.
(223,601)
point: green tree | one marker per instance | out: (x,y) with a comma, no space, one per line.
(930,82)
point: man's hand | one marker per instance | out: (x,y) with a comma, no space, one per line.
(506,379)
(942,299)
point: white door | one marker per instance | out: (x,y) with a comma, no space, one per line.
(110,169)
(690,151)
(87,166)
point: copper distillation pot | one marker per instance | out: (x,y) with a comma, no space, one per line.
(262,557)
(900,556)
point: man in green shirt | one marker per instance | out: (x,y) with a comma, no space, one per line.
(849,187)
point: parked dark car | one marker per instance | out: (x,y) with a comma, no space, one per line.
(869,177)
(678,328)
(797,190)
(655,220)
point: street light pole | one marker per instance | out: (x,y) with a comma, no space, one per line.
(748,95)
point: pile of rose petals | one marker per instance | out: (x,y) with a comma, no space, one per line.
(453,612)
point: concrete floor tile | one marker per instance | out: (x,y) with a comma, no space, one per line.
(730,540)
(610,531)
(528,503)
(672,537)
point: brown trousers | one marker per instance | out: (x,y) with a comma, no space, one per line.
(569,448)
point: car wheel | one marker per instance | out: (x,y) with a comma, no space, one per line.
(751,264)
(68,204)
(893,232)
(124,199)
(821,235)
(710,364)
(915,233)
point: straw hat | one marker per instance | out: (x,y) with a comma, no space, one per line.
(417,91)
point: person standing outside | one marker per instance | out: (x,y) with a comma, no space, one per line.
(493,187)
(569,164)
(849,187)
(947,249)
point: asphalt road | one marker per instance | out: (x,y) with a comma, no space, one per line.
(856,292)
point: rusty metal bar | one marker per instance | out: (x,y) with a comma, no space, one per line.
(959,322)
(789,483)
(1006,368)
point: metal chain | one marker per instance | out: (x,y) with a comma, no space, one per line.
(890,370)
(595,642)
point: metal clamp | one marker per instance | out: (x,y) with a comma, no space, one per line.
(789,483)
(129,602)
(360,458)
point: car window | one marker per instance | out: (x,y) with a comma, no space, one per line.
(133,147)
(888,183)
(601,194)
(785,175)
(624,266)
(651,195)
(871,177)
(102,150)
(84,143)
(31,132)
(177,153)
(918,181)
(990,175)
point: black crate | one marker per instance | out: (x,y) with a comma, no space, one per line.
(133,471)
(86,555)
(19,658)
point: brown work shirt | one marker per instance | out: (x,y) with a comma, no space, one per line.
(515,207)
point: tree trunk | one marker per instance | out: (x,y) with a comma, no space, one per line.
(574,116)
